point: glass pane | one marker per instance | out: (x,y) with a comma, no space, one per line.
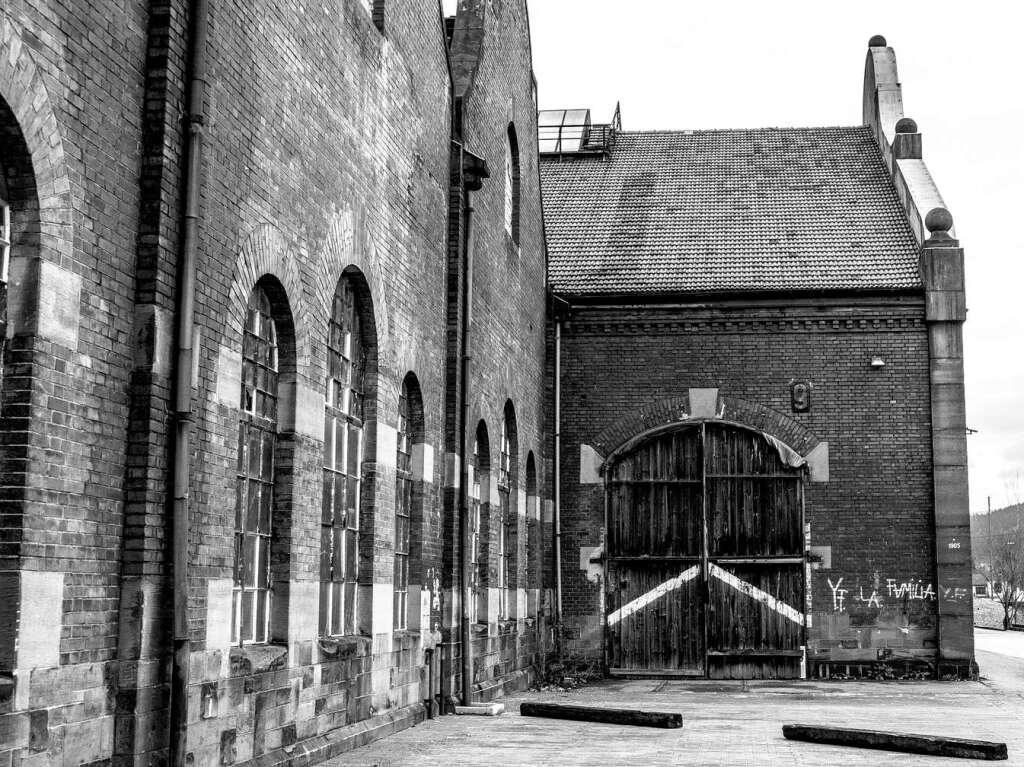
(240,503)
(550,117)
(254,451)
(354,437)
(325,602)
(249,553)
(327,506)
(252,517)
(247,615)
(329,441)
(235,604)
(266,506)
(267,467)
(341,606)
(263,553)
(351,555)
(341,445)
(262,597)
(401,535)
(338,510)
(337,551)
(350,608)
(402,575)
(242,444)
(326,552)
(238,553)
(352,504)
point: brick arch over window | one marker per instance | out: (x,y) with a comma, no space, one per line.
(674,410)
(264,251)
(19,238)
(25,106)
(348,245)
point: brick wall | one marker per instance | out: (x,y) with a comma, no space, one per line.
(72,93)
(495,88)
(874,515)
(327,147)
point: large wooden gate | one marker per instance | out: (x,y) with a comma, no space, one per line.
(706,562)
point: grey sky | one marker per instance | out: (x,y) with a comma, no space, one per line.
(677,65)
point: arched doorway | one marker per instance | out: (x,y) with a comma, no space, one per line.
(706,556)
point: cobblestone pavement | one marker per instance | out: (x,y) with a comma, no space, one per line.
(727,723)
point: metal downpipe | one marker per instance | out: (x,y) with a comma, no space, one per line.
(467,566)
(558,473)
(199,12)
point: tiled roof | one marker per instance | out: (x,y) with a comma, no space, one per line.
(776,209)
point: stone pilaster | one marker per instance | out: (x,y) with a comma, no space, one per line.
(942,272)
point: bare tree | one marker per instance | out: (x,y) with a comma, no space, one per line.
(1007,572)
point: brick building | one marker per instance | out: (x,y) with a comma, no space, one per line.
(274,360)
(759,394)
(277,391)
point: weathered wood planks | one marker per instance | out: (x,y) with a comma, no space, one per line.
(624,716)
(892,741)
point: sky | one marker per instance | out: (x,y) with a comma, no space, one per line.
(681,65)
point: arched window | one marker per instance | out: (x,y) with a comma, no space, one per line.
(512,184)
(532,524)
(5,227)
(479,522)
(408,497)
(5,256)
(508,522)
(343,456)
(20,239)
(257,442)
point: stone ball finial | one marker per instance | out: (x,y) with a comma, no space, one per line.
(877,42)
(906,125)
(938,220)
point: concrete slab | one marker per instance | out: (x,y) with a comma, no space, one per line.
(728,723)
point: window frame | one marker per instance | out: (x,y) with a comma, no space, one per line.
(5,229)
(513,182)
(403,511)
(261,370)
(344,445)
(477,486)
(507,537)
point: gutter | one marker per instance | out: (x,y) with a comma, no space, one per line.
(199,12)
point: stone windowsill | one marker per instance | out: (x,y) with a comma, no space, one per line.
(257,658)
(346,646)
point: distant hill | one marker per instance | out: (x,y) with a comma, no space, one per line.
(1007,521)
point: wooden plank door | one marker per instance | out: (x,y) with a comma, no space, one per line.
(654,579)
(755,563)
(705,564)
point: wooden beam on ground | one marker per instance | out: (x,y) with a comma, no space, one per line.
(603,715)
(892,741)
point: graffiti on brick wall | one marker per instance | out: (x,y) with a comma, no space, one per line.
(886,591)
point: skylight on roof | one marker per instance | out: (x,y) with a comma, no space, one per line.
(562,130)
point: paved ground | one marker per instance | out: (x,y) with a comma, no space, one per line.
(728,723)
